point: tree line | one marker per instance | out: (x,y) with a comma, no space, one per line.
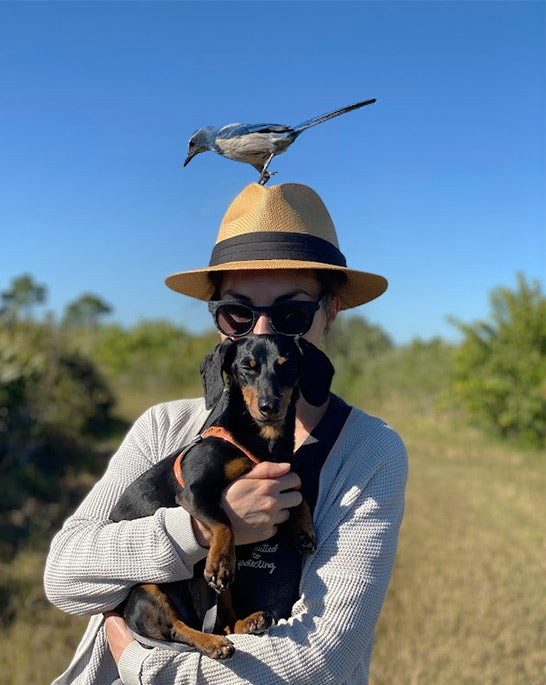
(59,380)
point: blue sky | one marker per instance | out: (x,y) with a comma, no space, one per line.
(439,185)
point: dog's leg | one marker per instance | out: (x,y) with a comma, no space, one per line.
(220,562)
(255,624)
(303,529)
(149,612)
(202,499)
(220,566)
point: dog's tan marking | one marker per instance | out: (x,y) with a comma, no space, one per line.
(167,626)
(213,646)
(220,565)
(159,613)
(235,468)
(255,624)
(271,431)
(251,400)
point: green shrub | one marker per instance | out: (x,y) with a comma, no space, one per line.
(371,370)
(152,355)
(499,368)
(52,400)
(351,345)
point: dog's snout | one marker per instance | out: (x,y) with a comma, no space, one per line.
(269,406)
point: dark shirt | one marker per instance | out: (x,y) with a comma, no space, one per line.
(268,573)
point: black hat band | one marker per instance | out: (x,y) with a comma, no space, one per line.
(268,245)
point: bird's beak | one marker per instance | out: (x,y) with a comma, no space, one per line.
(189,157)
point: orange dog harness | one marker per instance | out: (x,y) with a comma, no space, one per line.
(212,432)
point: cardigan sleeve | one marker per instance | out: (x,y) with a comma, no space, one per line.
(329,637)
(93,562)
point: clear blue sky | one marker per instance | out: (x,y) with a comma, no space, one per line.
(439,185)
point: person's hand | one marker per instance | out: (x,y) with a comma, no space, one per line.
(117,634)
(257,503)
(260,500)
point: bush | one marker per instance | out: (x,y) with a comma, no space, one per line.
(152,355)
(499,369)
(51,400)
(351,344)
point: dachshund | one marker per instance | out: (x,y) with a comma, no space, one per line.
(254,382)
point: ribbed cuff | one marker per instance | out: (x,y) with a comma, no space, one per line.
(130,663)
(180,530)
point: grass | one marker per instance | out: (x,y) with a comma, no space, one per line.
(466,602)
(38,643)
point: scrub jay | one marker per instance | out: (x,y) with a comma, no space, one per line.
(255,144)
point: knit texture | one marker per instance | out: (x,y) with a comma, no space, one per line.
(329,636)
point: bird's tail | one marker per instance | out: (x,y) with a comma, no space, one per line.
(331,115)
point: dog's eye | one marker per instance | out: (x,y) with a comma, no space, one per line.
(249,364)
(284,363)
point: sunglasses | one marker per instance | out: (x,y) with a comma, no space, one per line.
(293,317)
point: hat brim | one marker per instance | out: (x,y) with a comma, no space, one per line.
(359,288)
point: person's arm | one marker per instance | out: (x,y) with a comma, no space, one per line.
(329,637)
(93,561)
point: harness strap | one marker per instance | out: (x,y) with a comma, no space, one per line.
(177,466)
(211,432)
(224,434)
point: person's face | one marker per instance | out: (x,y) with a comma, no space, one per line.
(263,288)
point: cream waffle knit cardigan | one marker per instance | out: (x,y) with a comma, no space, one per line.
(329,636)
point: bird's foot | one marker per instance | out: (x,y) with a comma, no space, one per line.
(265,176)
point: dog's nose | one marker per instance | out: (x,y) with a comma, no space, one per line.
(269,406)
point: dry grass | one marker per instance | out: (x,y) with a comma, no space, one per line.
(466,603)
(38,644)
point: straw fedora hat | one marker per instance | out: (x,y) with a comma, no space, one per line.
(283,226)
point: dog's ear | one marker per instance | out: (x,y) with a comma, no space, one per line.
(212,371)
(316,373)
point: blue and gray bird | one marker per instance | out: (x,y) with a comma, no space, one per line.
(255,144)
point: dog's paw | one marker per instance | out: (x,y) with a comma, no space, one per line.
(220,575)
(218,648)
(256,623)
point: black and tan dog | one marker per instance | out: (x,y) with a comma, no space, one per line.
(265,375)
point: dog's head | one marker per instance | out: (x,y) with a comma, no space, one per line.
(269,370)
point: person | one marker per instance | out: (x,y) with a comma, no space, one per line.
(277,247)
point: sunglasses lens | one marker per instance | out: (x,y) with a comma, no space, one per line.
(293,318)
(234,319)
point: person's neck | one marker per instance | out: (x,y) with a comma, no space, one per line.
(307,417)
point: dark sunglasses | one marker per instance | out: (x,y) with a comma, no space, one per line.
(235,319)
